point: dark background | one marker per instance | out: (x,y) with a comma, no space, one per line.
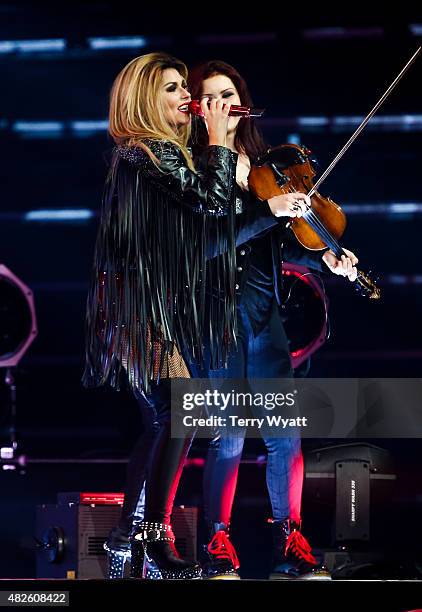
(294,70)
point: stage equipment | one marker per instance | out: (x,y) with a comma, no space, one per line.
(18,326)
(18,329)
(348,473)
(71,533)
(304,307)
(350,477)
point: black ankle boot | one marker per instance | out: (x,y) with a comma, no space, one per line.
(292,554)
(222,560)
(160,559)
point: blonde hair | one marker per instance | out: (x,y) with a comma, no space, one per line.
(136,108)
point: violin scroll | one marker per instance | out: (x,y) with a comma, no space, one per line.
(366,286)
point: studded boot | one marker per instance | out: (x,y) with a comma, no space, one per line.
(117,547)
(160,559)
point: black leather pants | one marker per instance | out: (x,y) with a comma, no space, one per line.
(157,458)
(136,472)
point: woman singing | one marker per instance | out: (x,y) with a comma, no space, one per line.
(146,306)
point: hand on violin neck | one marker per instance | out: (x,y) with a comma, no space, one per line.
(344,266)
(293,204)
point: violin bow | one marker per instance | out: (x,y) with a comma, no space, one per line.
(363,124)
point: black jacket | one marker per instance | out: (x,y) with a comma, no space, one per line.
(284,245)
(168,234)
(159,225)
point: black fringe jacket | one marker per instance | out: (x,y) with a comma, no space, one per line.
(152,276)
(159,226)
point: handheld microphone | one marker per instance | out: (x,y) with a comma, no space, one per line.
(194,108)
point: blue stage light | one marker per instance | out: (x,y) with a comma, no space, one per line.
(117,42)
(389,208)
(39,128)
(32,46)
(345,33)
(416,29)
(89,126)
(313,121)
(59,215)
(400,122)
(340,123)
(294,139)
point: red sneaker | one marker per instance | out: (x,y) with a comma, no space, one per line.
(222,558)
(292,556)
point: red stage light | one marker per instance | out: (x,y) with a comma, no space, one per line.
(102,499)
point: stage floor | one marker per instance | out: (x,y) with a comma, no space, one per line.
(295,596)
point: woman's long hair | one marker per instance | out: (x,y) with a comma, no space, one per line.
(136,108)
(248,138)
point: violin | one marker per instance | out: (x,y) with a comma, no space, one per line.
(289,168)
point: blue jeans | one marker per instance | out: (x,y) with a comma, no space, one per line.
(264,356)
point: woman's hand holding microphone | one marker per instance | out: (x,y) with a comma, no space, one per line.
(216,118)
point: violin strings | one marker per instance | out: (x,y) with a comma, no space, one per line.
(331,239)
(325,234)
(316,223)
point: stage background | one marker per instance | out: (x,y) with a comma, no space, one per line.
(316,76)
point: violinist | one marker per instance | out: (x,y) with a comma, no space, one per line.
(262,347)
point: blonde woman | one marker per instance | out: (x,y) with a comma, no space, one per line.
(147,270)
(146,313)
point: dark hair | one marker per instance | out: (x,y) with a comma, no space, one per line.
(248,138)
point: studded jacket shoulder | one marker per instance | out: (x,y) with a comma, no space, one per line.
(208,192)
